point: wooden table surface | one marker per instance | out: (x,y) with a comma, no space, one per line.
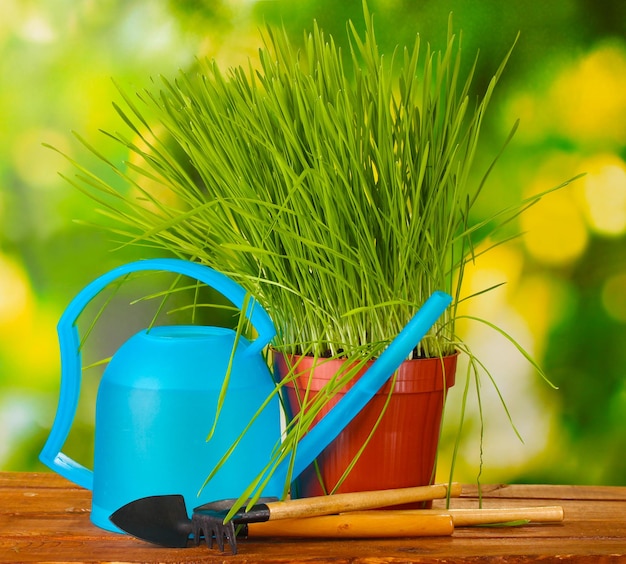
(44,518)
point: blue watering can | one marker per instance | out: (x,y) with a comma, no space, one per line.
(158,399)
(158,395)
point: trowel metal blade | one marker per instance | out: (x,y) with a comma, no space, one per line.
(158,519)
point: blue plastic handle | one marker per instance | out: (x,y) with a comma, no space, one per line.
(71,361)
(329,427)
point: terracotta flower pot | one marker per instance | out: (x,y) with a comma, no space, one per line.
(401,452)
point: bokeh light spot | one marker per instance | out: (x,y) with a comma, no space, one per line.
(501,266)
(554,230)
(583,102)
(589,98)
(28,149)
(544,301)
(605,195)
(14,292)
(37,29)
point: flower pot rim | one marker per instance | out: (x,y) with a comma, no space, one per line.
(276,351)
(414,376)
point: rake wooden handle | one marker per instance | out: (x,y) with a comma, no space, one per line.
(378,524)
(486,516)
(341,503)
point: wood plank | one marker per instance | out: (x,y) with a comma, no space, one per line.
(35,480)
(547,492)
(55,501)
(573,509)
(44,518)
(345,551)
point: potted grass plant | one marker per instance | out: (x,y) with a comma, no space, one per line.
(338,188)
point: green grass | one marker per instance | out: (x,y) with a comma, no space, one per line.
(335,190)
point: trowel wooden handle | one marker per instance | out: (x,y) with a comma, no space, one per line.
(377,524)
(470,517)
(340,503)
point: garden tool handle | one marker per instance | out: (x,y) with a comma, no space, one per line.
(331,424)
(401,523)
(375,524)
(356,501)
(486,516)
(69,344)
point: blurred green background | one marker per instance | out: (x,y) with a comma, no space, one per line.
(565,292)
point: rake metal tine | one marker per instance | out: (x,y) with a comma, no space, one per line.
(205,526)
(197,530)
(228,533)
(223,533)
(201,531)
(218,533)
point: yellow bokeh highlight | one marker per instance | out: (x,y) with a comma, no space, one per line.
(36,165)
(539,300)
(15,296)
(543,301)
(555,230)
(583,102)
(604,195)
(534,300)
(500,265)
(28,343)
(150,188)
(589,98)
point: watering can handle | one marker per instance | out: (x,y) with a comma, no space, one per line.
(69,344)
